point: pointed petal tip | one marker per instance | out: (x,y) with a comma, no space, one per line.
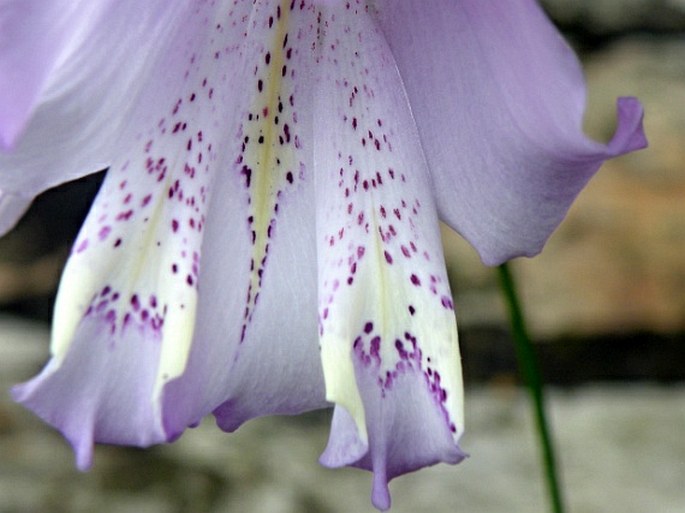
(380,494)
(629,135)
(98,391)
(83,451)
(81,443)
(347,449)
(12,208)
(226,418)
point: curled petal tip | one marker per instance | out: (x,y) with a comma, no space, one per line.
(80,439)
(630,135)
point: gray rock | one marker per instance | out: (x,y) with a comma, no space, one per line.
(607,17)
(621,449)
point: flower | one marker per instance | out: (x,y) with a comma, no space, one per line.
(266,238)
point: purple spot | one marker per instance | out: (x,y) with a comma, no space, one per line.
(101,305)
(104,232)
(124,216)
(375,347)
(368,327)
(83,246)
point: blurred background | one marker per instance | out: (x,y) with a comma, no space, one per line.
(605,303)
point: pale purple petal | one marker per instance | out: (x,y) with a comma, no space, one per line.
(255,350)
(387,326)
(276,173)
(498,98)
(33,33)
(132,277)
(161,229)
(12,207)
(403,436)
(273,366)
(93,71)
(101,390)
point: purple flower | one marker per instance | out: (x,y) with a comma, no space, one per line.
(266,238)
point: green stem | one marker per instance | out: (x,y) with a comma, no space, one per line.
(527,361)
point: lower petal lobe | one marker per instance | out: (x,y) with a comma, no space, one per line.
(386,319)
(125,312)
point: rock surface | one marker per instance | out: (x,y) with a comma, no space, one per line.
(621,449)
(606,17)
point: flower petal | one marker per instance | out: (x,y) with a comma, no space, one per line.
(498,98)
(32,35)
(387,326)
(81,68)
(255,351)
(12,207)
(79,393)
(131,281)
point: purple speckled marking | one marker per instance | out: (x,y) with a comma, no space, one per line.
(374,196)
(267,161)
(154,200)
(82,246)
(117,316)
(379,236)
(104,232)
(366,349)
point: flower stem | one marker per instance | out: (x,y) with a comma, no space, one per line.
(528,365)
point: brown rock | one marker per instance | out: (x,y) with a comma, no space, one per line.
(618,261)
